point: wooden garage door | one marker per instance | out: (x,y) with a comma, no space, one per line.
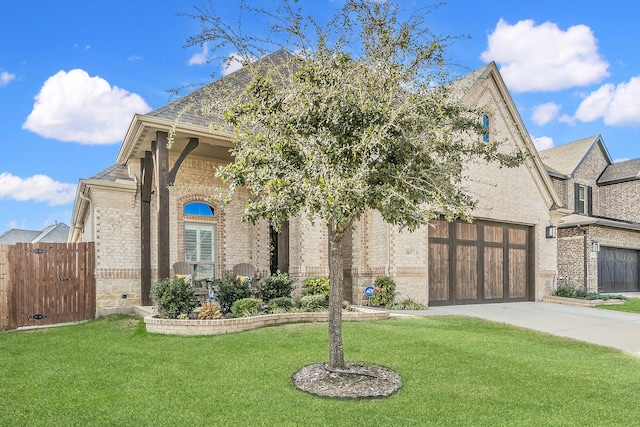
(618,270)
(480,262)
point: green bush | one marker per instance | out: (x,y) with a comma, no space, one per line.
(316,286)
(313,302)
(384,290)
(279,305)
(407,304)
(275,286)
(175,298)
(246,307)
(228,289)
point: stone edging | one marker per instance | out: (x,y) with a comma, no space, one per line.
(225,326)
(581,302)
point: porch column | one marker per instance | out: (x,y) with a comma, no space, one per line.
(146,174)
(162,164)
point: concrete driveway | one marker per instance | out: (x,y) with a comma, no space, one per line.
(602,327)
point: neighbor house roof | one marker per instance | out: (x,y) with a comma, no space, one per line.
(56,233)
(564,159)
(621,172)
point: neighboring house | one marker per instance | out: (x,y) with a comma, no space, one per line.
(151,210)
(56,233)
(599,243)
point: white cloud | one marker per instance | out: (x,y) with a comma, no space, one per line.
(542,143)
(543,57)
(200,58)
(38,188)
(544,113)
(76,107)
(617,105)
(6,78)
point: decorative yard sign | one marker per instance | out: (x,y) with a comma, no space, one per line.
(368,291)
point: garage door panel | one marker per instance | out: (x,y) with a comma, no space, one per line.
(439,271)
(466,272)
(517,273)
(493,273)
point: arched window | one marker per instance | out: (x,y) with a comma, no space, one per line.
(198,208)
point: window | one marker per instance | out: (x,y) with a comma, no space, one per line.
(485,126)
(198,208)
(199,248)
(583,199)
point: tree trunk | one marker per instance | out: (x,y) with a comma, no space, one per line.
(336,291)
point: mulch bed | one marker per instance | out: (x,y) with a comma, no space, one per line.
(357,380)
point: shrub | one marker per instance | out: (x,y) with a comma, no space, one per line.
(407,304)
(316,286)
(313,302)
(384,290)
(279,305)
(566,290)
(175,298)
(246,307)
(275,286)
(228,289)
(210,311)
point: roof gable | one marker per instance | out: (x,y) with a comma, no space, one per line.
(471,84)
(566,159)
(56,233)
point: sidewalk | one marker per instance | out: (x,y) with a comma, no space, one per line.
(602,327)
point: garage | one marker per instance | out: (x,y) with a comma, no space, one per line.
(479,262)
(618,270)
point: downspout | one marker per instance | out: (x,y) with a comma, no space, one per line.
(584,256)
(387,267)
(88,200)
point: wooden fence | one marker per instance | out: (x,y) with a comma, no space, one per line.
(46,283)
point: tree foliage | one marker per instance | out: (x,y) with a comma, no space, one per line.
(357,113)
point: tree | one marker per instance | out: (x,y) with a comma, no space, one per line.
(361,115)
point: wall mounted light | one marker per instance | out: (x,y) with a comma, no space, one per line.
(595,246)
(551,232)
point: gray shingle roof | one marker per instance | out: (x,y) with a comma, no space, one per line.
(564,159)
(620,172)
(193,108)
(113,173)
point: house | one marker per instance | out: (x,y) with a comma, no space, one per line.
(152,209)
(55,233)
(599,242)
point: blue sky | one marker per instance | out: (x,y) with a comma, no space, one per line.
(73,73)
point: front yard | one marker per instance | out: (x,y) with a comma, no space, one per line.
(455,371)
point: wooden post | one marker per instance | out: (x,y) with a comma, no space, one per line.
(162,163)
(146,174)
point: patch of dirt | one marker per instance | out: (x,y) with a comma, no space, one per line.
(357,380)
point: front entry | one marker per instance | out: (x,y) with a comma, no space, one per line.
(481,262)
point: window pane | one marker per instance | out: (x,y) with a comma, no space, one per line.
(198,208)
(190,244)
(206,244)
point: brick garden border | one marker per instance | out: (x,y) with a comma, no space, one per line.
(581,302)
(224,326)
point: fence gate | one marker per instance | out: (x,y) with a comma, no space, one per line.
(46,283)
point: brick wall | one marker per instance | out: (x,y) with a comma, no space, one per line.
(621,201)
(587,174)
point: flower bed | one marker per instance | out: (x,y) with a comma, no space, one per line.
(581,302)
(157,325)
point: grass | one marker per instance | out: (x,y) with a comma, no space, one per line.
(455,371)
(632,305)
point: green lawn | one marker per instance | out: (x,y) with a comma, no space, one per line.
(456,372)
(632,305)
